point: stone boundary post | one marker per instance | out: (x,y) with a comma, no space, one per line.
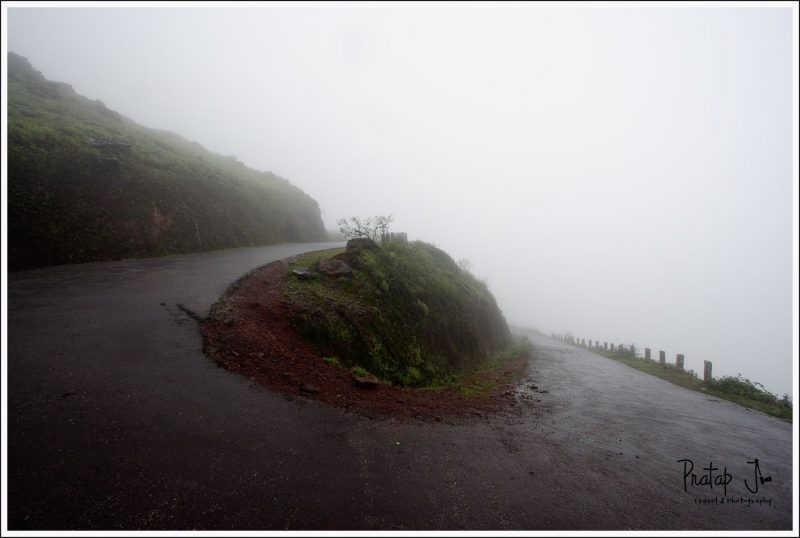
(706,371)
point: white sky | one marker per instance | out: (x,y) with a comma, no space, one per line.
(621,173)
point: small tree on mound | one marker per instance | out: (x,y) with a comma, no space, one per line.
(465,265)
(368,228)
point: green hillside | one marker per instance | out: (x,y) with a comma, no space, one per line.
(87,184)
(406,313)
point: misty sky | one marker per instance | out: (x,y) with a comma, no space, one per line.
(621,173)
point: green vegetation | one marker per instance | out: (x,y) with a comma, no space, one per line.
(407,314)
(736,389)
(493,372)
(87,184)
(359,371)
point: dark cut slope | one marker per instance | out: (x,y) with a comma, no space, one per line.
(87,184)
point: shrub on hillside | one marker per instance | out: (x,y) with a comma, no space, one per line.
(745,388)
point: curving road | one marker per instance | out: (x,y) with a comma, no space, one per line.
(116,420)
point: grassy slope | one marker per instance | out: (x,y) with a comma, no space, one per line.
(72,202)
(408,314)
(736,390)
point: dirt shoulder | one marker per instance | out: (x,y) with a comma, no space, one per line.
(248,332)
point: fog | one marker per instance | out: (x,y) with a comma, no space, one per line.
(621,173)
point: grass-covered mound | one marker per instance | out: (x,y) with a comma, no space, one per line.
(87,184)
(407,313)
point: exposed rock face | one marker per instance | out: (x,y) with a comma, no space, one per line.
(335,267)
(158,223)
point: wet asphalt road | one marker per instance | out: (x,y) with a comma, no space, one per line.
(116,420)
